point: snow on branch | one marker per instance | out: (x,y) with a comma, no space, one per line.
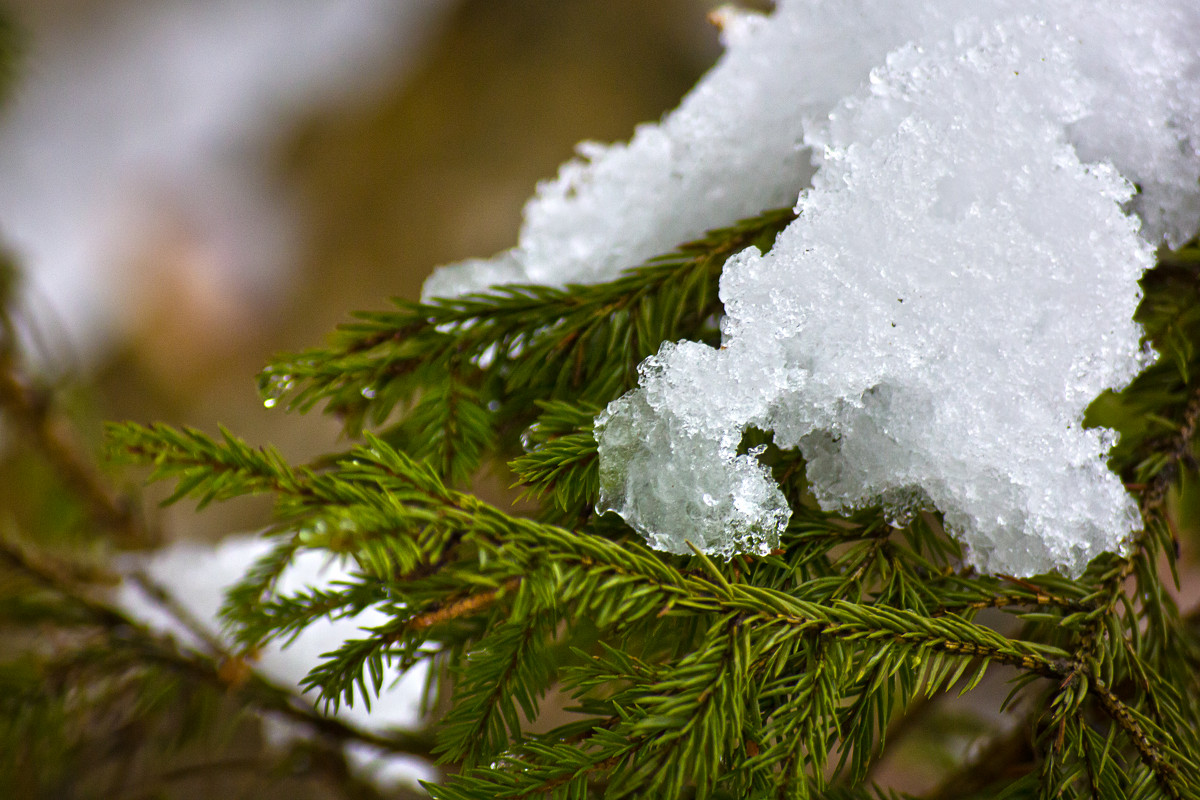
(993,178)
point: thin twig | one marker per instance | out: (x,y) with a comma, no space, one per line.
(159,595)
(463,607)
(1165,772)
(250,686)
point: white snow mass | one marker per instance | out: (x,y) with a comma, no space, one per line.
(958,286)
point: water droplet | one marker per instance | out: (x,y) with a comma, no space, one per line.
(368,392)
(275,387)
(488,356)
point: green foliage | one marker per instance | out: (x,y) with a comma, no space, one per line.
(500,353)
(560,459)
(789,675)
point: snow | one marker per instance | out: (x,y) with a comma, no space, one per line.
(734,147)
(656,473)
(958,286)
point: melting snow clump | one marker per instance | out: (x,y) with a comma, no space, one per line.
(958,286)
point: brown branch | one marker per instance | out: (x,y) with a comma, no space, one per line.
(247,684)
(158,594)
(301,759)
(462,607)
(153,787)
(1165,773)
(29,409)
(1013,601)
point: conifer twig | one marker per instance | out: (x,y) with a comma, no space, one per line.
(462,607)
(1165,773)
(1178,451)
(159,595)
(32,418)
(250,685)
(563,336)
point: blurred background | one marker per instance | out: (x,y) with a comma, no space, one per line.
(193,185)
(190,186)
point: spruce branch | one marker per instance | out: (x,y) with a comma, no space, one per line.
(503,673)
(1176,453)
(525,549)
(537,342)
(417,490)
(206,469)
(152,647)
(1151,745)
(560,458)
(807,652)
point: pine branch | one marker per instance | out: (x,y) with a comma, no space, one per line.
(578,342)
(262,619)
(534,545)
(591,569)
(205,469)
(1150,745)
(410,489)
(504,671)
(806,652)
(448,426)
(560,459)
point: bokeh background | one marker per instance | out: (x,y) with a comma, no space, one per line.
(193,185)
